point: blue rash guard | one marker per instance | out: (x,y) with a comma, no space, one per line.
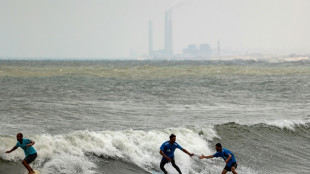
(225,154)
(169,149)
(27,150)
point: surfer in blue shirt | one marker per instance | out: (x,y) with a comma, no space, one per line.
(30,152)
(229,158)
(167,151)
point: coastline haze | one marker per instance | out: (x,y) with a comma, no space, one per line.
(112,29)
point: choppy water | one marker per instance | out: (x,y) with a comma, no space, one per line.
(112,116)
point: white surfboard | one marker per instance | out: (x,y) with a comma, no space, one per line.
(155,172)
(35,171)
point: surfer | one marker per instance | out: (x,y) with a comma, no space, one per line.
(167,151)
(30,152)
(229,158)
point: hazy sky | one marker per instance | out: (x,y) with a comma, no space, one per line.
(114,28)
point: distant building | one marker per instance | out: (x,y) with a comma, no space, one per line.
(205,50)
(192,50)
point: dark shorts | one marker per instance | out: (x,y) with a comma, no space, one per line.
(30,158)
(165,161)
(228,168)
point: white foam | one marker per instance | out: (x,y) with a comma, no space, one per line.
(67,163)
(68,153)
(287,124)
(290,124)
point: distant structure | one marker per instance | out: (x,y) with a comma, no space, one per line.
(192,50)
(167,51)
(168,33)
(218,49)
(150,38)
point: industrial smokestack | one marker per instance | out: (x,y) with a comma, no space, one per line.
(168,33)
(218,49)
(150,38)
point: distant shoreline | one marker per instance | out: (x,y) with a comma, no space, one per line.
(223,59)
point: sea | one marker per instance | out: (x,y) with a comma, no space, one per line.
(112,116)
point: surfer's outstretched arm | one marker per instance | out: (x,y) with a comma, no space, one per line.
(185,151)
(202,156)
(14,148)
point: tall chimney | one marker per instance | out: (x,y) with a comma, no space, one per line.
(150,38)
(218,49)
(168,33)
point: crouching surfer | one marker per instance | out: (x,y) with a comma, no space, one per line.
(30,152)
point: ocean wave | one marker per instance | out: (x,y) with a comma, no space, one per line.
(288,124)
(284,124)
(69,153)
(75,152)
(281,124)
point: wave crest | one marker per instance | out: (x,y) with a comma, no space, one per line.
(69,152)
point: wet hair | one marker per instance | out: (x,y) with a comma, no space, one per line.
(218,145)
(171,136)
(20,134)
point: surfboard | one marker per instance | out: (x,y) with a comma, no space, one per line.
(155,172)
(35,171)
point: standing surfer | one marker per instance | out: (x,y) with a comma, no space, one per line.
(167,151)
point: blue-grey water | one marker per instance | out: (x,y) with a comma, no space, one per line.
(112,116)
